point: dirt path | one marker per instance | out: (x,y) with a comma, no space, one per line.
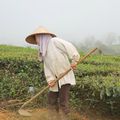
(37,114)
(44,114)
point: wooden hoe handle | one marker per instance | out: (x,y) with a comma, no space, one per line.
(57,79)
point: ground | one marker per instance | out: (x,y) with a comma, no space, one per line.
(44,114)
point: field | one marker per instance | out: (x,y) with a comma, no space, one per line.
(96,94)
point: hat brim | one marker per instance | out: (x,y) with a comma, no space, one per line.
(31,38)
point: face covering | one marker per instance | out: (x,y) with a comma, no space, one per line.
(44,40)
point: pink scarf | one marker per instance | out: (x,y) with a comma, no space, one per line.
(44,40)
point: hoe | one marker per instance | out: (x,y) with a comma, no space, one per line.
(24,112)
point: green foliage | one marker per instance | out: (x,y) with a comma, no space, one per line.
(98,78)
(16,76)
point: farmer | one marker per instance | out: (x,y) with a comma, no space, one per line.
(58,56)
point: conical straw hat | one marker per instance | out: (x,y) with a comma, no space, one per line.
(41,30)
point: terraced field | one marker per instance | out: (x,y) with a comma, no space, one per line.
(98,80)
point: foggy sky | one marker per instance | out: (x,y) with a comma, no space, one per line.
(72,20)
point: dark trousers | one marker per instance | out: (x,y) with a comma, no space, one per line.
(60,100)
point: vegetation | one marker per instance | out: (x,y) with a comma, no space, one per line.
(98,79)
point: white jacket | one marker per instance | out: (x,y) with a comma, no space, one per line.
(56,61)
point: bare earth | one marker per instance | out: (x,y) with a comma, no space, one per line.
(44,114)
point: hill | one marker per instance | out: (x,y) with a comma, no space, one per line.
(98,79)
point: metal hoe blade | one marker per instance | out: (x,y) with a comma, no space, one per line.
(24,113)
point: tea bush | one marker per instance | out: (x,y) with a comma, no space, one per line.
(98,79)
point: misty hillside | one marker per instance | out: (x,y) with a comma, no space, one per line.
(103,49)
(109,44)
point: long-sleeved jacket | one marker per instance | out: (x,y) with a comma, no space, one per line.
(57,61)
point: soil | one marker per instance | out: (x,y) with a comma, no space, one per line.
(44,114)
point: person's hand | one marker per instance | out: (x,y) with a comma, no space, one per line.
(51,83)
(73,66)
